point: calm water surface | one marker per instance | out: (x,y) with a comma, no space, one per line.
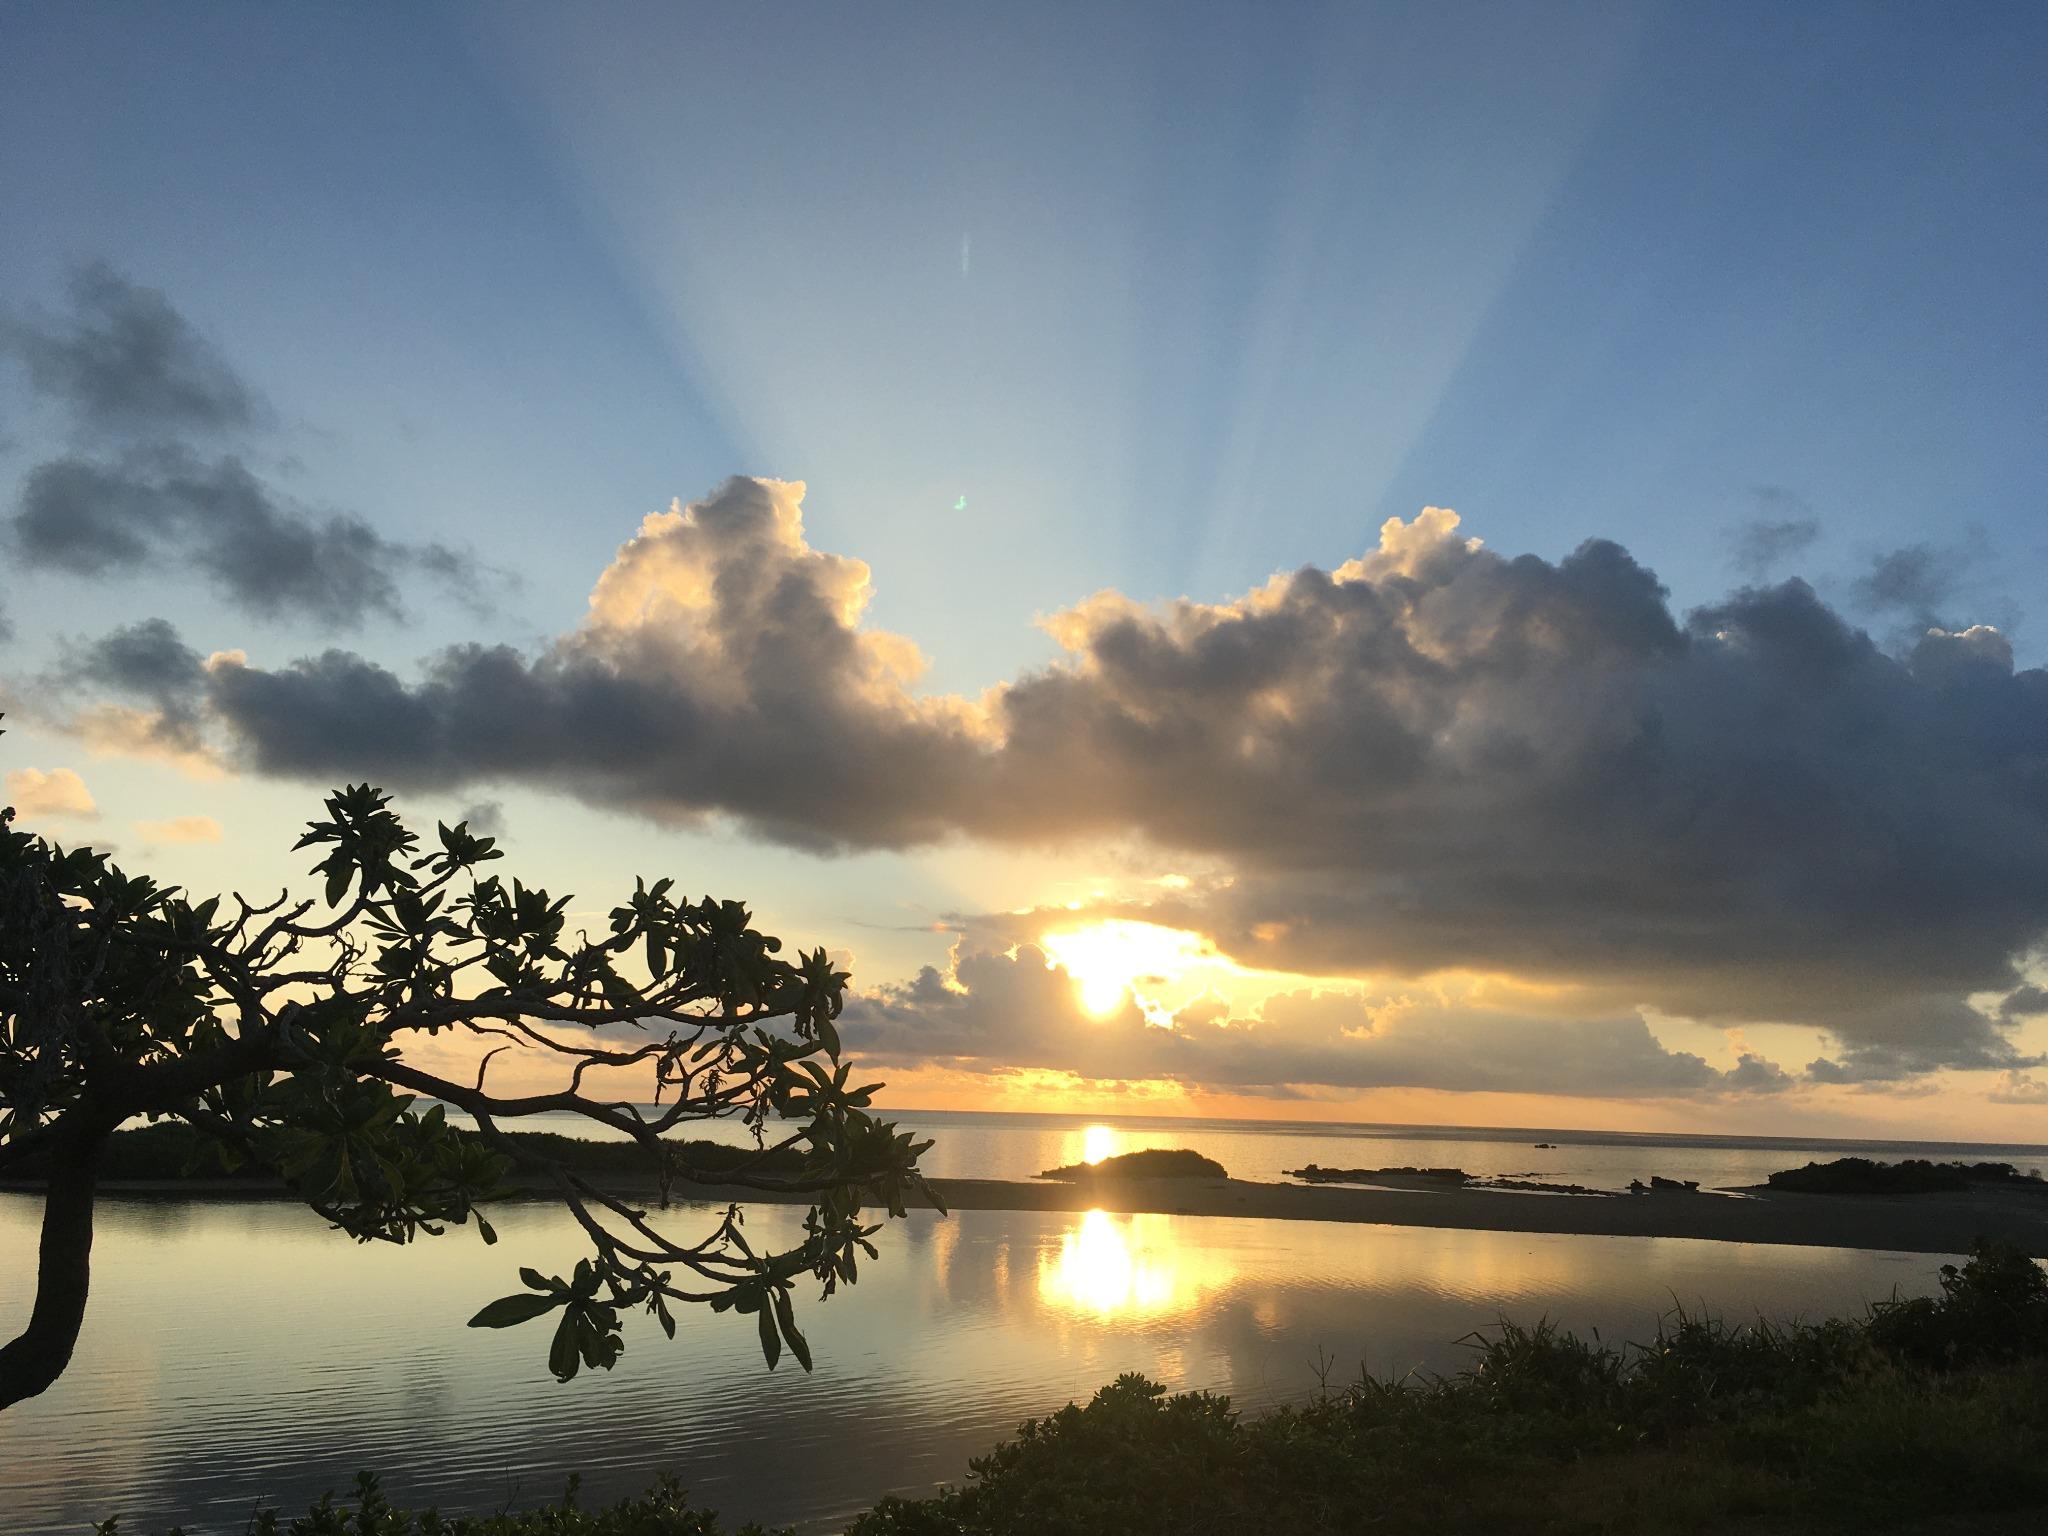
(1021,1146)
(238,1349)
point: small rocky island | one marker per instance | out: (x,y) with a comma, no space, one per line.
(1315,1174)
(1914,1176)
(1154,1163)
(1458,1178)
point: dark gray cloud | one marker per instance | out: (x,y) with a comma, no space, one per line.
(124,361)
(486,818)
(2029,1002)
(997,1012)
(254,546)
(137,383)
(138,689)
(1762,546)
(1917,582)
(1431,758)
(146,660)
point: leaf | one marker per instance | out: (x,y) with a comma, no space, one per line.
(508,1310)
(771,1342)
(485,1230)
(786,1316)
(563,1355)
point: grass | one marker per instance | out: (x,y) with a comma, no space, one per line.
(1153,1163)
(1928,1416)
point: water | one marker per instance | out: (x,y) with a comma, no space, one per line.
(236,1349)
(1013,1146)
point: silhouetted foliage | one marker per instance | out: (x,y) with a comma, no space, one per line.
(1913,1176)
(277,1036)
(173,1152)
(664,1510)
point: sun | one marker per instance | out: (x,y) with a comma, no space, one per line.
(1106,957)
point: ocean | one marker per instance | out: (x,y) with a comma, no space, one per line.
(237,1349)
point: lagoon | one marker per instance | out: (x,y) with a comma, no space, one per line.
(237,1349)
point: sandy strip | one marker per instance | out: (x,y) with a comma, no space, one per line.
(1900,1223)
(1941,1223)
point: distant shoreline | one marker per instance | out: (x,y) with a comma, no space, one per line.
(1937,1223)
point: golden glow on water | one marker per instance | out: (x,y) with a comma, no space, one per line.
(1127,1267)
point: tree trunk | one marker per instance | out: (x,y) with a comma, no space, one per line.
(38,1354)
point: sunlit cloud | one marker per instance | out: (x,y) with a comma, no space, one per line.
(58,795)
(1432,759)
(1111,958)
(180,829)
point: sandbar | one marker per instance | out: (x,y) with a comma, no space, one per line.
(1945,1223)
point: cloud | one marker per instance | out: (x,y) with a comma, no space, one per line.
(1918,581)
(1761,546)
(997,1012)
(137,383)
(2026,1002)
(485,819)
(722,668)
(180,829)
(124,361)
(156,683)
(1431,758)
(59,795)
(2020,1088)
(102,516)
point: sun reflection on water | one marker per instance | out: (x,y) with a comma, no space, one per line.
(1125,1267)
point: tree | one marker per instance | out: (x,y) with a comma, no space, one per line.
(279,1035)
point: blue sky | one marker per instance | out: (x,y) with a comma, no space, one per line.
(1046,300)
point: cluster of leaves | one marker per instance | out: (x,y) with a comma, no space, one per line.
(278,1036)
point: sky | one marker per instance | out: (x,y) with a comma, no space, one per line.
(1457,564)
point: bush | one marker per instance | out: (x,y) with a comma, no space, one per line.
(663,1510)
(1836,1426)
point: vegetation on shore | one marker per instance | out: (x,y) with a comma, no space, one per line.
(1152,1163)
(170,1150)
(1914,1176)
(1929,1409)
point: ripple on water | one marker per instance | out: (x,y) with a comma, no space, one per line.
(237,1350)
